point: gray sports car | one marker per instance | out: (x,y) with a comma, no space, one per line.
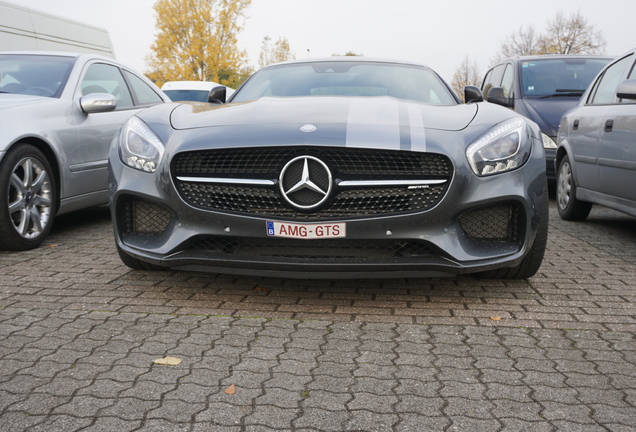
(330,168)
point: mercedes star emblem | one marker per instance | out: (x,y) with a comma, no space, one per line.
(305,182)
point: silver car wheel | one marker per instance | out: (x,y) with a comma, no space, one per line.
(564,185)
(29,198)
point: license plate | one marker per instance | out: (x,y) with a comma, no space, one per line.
(306,231)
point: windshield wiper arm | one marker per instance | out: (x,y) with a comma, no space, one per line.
(564,92)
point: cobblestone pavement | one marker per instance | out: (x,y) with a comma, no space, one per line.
(79,333)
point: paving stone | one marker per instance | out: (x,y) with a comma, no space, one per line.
(386,355)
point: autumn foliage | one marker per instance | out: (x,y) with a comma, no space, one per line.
(197,40)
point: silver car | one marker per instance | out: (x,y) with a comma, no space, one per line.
(596,157)
(58,114)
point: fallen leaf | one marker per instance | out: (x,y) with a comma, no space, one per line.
(230,390)
(261,289)
(495,318)
(168,361)
(53,245)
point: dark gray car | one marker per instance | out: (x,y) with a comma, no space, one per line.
(596,158)
(341,167)
(58,114)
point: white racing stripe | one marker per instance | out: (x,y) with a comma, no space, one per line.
(416,124)
(373,124)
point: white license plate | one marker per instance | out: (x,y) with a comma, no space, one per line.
(307,231)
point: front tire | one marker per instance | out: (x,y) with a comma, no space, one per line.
(28,198)
(570,208)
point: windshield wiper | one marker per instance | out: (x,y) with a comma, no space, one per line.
(564,92)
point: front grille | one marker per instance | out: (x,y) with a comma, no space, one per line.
(286,250)
(348,203)
(502,222)
(142,217)
(345,164)
(246,162)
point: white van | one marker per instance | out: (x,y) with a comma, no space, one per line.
(25,29)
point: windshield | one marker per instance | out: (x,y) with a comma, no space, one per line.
(38,75)
(554,77)
(188,95)
(349,78)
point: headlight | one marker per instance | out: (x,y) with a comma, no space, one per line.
(548,142)
(139,147)
(503,148)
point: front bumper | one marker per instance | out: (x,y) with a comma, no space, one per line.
(480,224)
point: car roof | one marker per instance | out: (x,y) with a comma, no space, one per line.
(356,59)
(556,57)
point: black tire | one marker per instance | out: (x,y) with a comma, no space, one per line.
(570,208)
(28,198)
(136,264)
(532,261)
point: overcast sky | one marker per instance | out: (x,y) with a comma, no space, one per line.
(438,33)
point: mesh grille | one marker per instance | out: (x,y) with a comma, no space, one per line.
(345,164)
(243,162)
(348,203)
(502,222)
(313,250)
(144,217)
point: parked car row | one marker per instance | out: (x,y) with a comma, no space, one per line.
(346,167)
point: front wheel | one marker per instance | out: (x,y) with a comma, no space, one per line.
(27,198)
(570,208)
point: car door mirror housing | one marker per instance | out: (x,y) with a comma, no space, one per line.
(496,96)
(473,94)
(217,95)
(627,89)
(98,102)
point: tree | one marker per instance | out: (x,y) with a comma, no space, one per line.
(466,74)
(348,54)
(276,53)
(197,40)
(572,35)
(563,35)
(525,41)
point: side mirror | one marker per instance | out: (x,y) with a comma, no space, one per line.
(473,94)
(496,96)
(98,102)
(627,89)
(217,95)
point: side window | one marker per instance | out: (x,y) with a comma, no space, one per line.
(494,78)
(104,78)
(486,80)
(632,74)
(144,93)
(605,91)
(506,82)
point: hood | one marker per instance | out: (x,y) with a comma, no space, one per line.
(322,111)
(10,100)
(547,113)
